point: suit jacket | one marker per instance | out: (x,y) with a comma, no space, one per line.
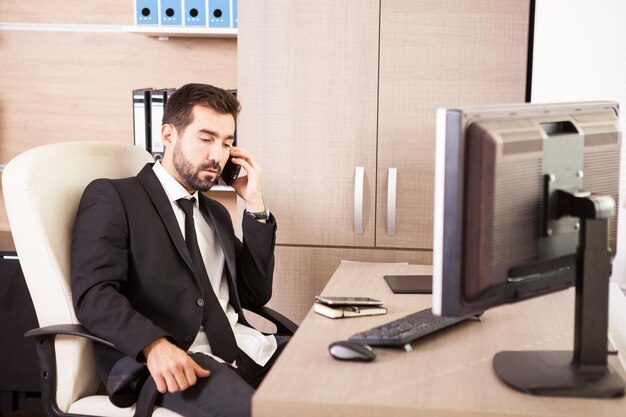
(132,275)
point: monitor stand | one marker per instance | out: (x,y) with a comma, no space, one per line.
(585,371)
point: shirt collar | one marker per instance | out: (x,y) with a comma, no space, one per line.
(172,187)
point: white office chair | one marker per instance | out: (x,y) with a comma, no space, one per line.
(42,189)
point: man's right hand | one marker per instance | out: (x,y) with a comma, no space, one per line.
(172,368)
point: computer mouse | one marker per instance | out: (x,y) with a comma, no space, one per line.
(347,350)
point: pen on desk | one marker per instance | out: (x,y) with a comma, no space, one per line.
(354,308)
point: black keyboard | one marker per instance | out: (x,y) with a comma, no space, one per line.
(403,331)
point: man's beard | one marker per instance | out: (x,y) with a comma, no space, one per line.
(189,174)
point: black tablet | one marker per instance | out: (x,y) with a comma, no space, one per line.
(410,284)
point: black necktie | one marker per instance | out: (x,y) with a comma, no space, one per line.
(215,322)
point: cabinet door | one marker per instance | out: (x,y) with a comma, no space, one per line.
(437,53)
(308,77)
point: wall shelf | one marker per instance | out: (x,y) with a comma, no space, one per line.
(162,32)
(59,27)
(165,32)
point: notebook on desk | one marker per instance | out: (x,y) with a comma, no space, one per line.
(348,311)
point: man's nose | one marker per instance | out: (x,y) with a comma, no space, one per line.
(217,152)
(213,151)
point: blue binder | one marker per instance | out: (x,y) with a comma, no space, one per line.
(146,12)
(195,12)
(219,13)
(171,12)
(235,13)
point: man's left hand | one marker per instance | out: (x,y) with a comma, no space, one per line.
(248,187)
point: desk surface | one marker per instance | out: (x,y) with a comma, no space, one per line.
(447,374)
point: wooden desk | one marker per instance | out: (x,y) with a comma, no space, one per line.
(447,374)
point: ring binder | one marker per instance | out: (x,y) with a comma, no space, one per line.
(142,118)
(158,101)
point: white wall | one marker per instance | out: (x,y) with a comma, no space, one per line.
(580,54)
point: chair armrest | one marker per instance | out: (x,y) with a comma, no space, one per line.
(283,324)
(67,329)
(44,337)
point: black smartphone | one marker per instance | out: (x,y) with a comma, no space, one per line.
(230,172)
(347,301)
(410,284)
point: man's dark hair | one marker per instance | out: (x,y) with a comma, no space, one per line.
(179,106)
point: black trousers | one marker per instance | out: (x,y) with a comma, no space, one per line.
(227,392)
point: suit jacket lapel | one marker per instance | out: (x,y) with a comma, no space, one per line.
(156,193)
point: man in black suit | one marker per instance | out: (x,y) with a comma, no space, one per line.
(158,271)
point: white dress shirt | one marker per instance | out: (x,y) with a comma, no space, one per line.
(255,344)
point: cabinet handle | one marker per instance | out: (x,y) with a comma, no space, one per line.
(358,200)
(391,201)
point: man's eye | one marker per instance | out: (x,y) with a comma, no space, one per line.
(205,139)
(228,145)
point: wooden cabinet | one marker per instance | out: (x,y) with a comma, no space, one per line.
(334,89)
(308,87)
(432,54)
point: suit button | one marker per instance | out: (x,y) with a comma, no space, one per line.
(200,302)
(188,339)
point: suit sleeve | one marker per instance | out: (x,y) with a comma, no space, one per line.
(256,261)
(100,247)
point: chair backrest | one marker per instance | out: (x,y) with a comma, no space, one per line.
(42,188)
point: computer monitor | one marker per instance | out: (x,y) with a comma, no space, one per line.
(525,199)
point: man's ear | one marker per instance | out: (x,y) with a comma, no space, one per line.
(168,134)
